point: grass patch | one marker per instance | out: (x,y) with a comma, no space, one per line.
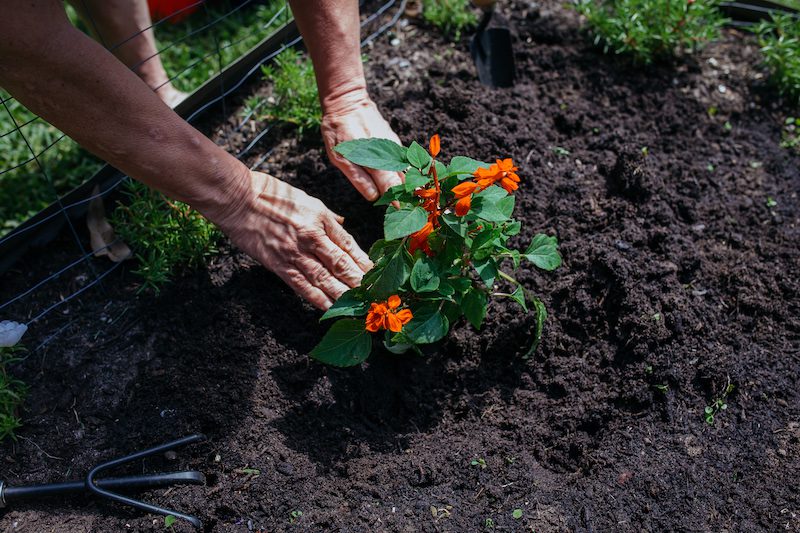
(451,17)
(651,30)
(166,236)
(12,393)
(294,96)
(779,39)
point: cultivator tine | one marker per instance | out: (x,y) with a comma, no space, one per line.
(105,487)
(95,486)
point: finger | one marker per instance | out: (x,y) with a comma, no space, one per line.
(320,277)
(302,286)
(361,180)
(346,242)
(339,263)
(385,180)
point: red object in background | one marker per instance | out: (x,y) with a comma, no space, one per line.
(161,9)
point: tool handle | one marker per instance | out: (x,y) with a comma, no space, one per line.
(11,494)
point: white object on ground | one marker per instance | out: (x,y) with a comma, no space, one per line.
(11,333)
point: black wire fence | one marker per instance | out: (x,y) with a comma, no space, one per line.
(213,51)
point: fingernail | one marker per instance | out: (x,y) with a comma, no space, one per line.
(372,193)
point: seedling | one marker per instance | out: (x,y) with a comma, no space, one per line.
(451,17)
(295,516)
(446,239)
(779,39)
(516,514)
(165,235)
(790,134)
(12,392)
(488,523)
(771,202)
(651,30)
(559,151)
(169,522)
(480,461)
(294,96)
(718,405)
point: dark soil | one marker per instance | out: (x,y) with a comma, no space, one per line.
(677,279)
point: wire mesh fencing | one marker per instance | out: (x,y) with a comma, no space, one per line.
(210,51)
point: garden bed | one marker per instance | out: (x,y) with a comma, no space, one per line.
(679,277)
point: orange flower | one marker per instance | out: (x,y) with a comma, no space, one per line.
(503,171)
(463,193)
(384,315)
(419,239)
(430,199)
(435,145)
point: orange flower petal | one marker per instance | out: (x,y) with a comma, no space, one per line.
(394,302)
(404,315)
(508,185)
(463,205)
(435,145)
(425,193)
(393,323)
(464,188)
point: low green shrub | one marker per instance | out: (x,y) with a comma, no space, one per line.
(294,97)
(164,235)
(651,30)
(779,39)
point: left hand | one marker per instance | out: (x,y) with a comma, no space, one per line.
(357,117)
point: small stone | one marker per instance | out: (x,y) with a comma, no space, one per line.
(170,455)
(395,42)
(622,245)
(781,452)
(285,468)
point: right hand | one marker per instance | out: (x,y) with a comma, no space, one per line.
(298,238)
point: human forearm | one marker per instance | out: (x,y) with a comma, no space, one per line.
(81,88)
(331,32)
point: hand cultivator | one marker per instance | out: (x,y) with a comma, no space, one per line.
(108,487)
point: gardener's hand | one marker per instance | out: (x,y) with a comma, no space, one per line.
(298,238)
(355,116)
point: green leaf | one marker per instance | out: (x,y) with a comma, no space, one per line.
(492,204)
(348,304)
(394,193)
(474,307)
(414,179)
(418,156)
(393,276)
(512,228)
(455,223)
(347,343)
(464,166)
(487,270)
(484,238)
(519,296)
(398,223)
(381,154)
(424,277)
(541,316)
(169,520)
(543,252)
(381,248)
(428,325)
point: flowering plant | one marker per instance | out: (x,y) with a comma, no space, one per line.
(446,232)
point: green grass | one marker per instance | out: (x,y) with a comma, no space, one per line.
(451,17)
(25,191)
(779,39)
(12,392)
(651,30)
(294,97)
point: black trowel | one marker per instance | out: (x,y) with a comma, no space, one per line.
(491,47)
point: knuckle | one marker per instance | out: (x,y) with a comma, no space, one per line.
(341,266)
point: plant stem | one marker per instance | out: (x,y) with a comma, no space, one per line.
(508,278)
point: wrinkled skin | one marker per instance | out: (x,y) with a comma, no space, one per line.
(298,238)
